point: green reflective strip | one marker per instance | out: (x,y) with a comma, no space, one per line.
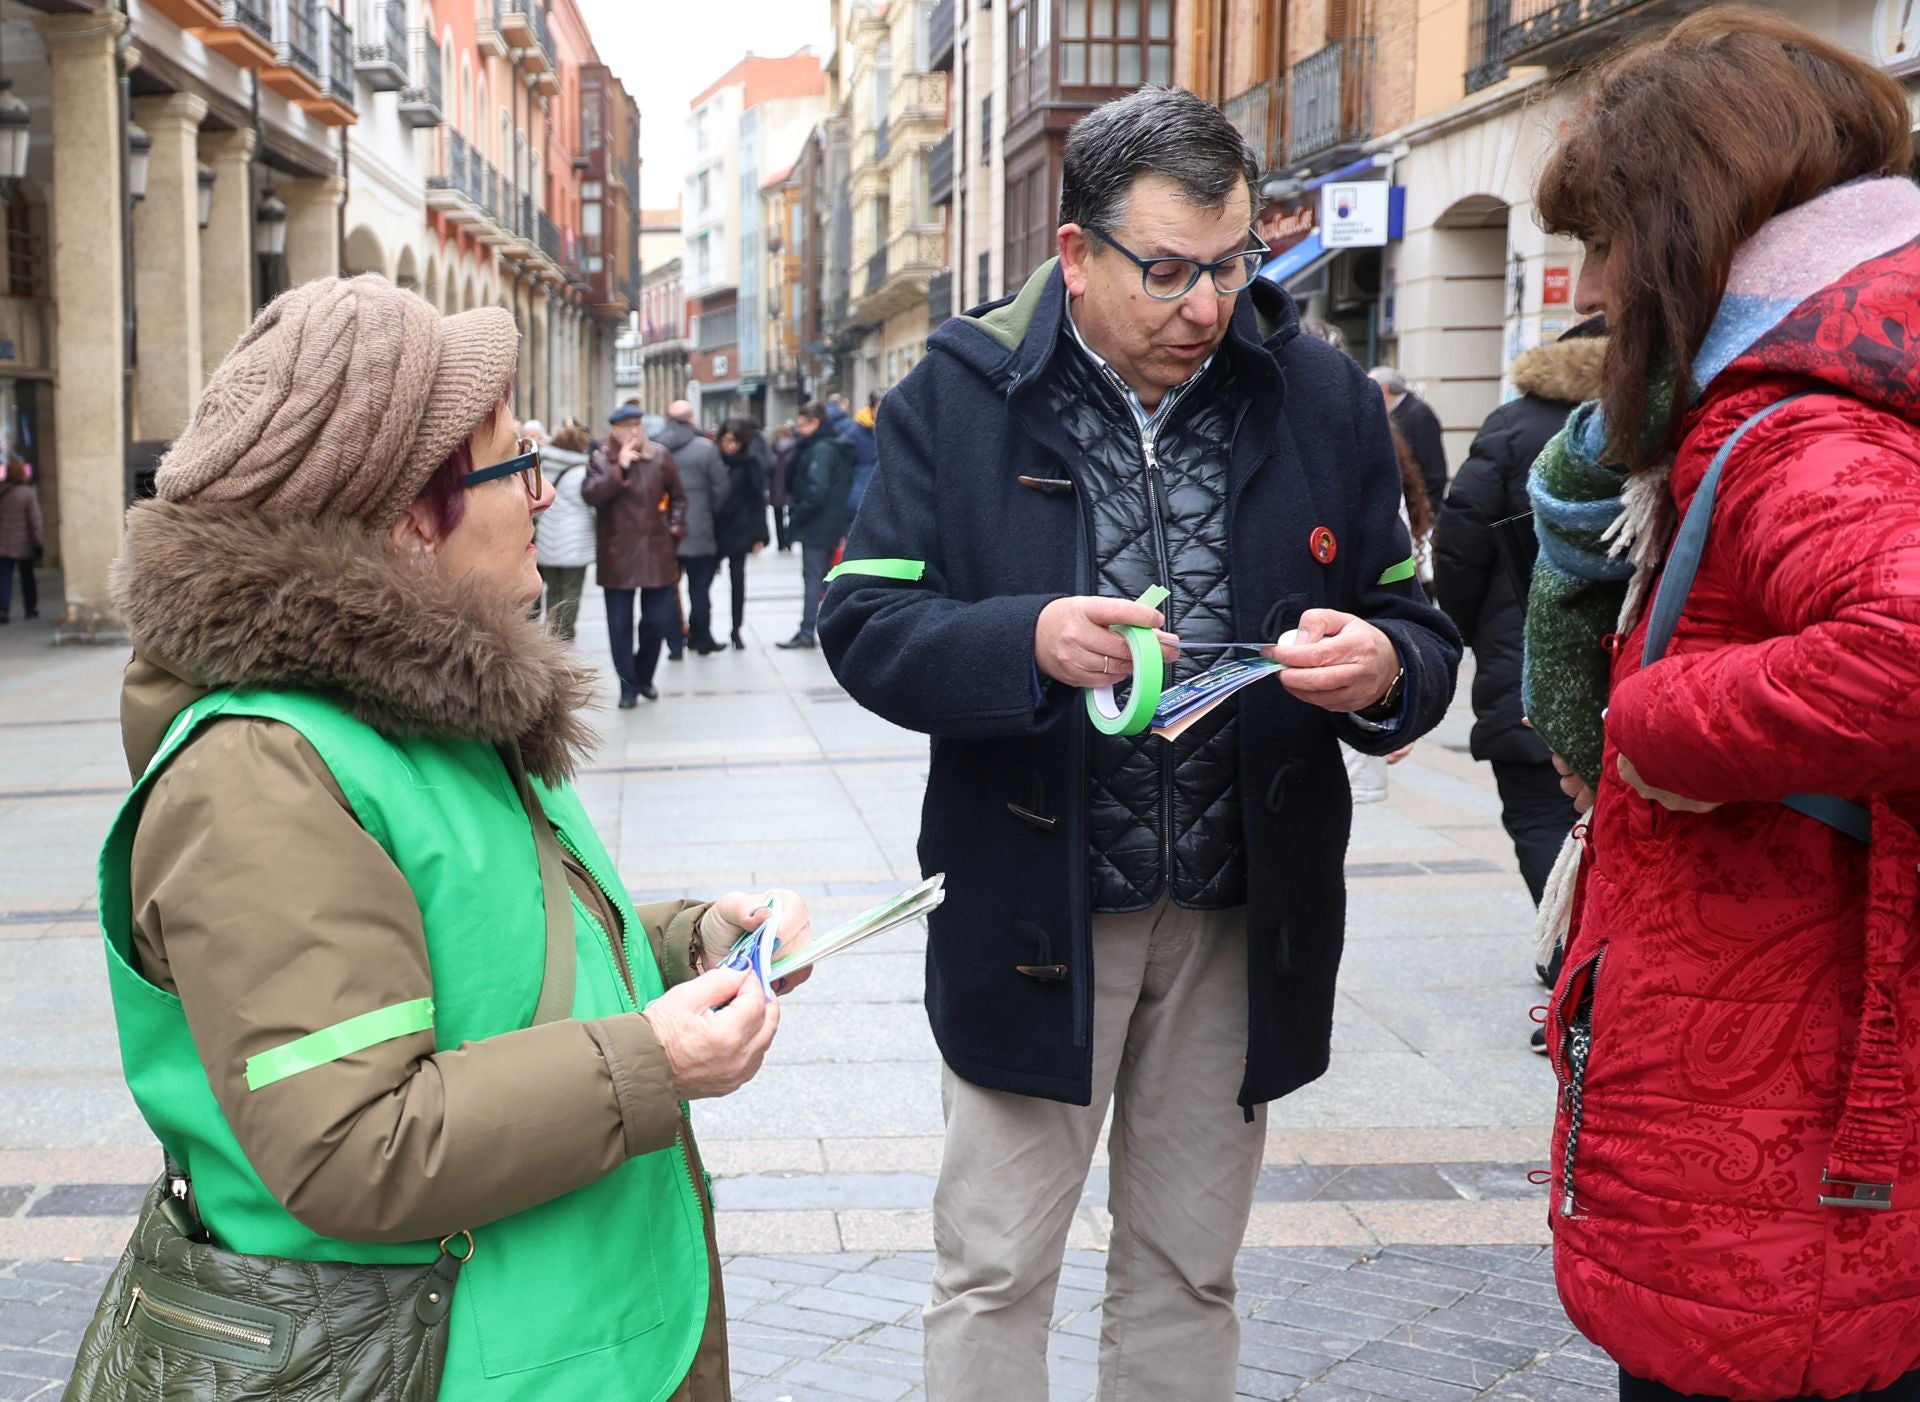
(909,570)
(1406,569)
(341,1039)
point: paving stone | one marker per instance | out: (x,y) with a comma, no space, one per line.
(1071,1373)
(1269,1387)
(780,1268)
(835,1381)
(742,1286)
(1383,1382)
(14,1388)
(1426,1363)
(752,1362)
(89,1200)
(1301,1312)
(12,1196)
(1350,1293)
(1536,1386)
(817,1323)
(1497,1353)
(1588,1372)
(852,1305)
(882,1287)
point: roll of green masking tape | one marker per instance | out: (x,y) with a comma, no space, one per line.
(1113,717)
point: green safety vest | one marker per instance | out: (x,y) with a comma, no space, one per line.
(599,1293)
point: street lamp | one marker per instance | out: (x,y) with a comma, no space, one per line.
(270,225)
(139,157)
(14,133)
(206,194)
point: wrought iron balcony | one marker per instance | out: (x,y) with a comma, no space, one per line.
(299,36)
(242,34)
(420,99)
(940,170)
(487,26)
(1558,32)
(339,51)
(525,25)
(1486,31)
(550,242)
(1332,99)
(454,179)
(940,37)
(940,297)
(381,57)
(1256,114)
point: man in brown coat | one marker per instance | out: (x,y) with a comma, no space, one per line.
(634,487)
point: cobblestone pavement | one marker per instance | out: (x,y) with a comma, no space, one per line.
(1396,1244)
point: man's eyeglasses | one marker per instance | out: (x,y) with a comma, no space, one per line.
(1170,279)
(525,465)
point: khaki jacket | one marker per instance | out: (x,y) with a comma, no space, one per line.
(248,849)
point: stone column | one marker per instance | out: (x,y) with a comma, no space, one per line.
(226,247)
(313,227)
(89,292)
(166,268)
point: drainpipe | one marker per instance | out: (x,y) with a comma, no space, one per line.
(340,214)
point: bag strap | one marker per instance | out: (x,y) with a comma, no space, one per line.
(1676,583)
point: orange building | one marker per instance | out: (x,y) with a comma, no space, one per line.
(532,181)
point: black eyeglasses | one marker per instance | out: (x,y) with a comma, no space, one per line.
(525,465)
(1170,279)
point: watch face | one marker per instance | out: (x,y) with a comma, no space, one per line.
(1896,33)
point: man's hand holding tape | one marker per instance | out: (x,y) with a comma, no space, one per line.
(1334,660)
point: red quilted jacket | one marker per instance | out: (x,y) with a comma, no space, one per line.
(1740,1009)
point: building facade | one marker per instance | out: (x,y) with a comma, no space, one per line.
(664,337)
(745,128)
(187,160)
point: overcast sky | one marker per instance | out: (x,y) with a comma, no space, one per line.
(666,51)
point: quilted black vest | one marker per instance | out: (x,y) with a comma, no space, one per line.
(1156,502)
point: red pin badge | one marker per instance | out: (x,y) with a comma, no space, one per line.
(1323,545)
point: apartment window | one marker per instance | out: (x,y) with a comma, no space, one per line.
(986,130)
(882,80)
(702,258)
(703,193)
(1115,43)
(1030,222)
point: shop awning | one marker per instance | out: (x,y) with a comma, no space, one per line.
(1304,257)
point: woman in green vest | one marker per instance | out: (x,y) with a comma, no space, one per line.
(377,980)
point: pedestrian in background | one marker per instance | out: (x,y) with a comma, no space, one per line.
(1476,588)
(740,525)
(655,425)
(1415,419)
(856,431)
(343,904)
(564,531)
(634,487)
(22,536)
(782,449)
(1130,924)
(819,477)
(1735,1188)
(704,476)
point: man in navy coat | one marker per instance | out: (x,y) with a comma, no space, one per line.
(1136,924)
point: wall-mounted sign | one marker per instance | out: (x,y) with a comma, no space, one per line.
(1353,214)
(1556,287)
(721,364)
(1896,35)
(1284,225)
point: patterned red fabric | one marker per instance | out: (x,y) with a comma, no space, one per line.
(1756,975)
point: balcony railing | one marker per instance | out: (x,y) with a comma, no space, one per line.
(455,176)
(1332,99)
(940,297)
(420,99)
(381,57)
(1255,113)
(940,170)
(256,15)
(339,51)
(550,241)
(918,97)
(525,25)
(940,37)
(1485,31)
(876,272)
(1557,32)
(487,22)
(299,37)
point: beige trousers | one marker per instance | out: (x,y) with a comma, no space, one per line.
(1169,1051)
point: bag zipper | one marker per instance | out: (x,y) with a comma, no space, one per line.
(1576,1054)
(182,1318)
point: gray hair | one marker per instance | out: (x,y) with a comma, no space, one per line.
(1389,379)
(1153,131)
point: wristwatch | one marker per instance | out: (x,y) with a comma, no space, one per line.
(1384,708)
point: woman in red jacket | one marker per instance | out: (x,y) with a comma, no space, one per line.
(1736,1176)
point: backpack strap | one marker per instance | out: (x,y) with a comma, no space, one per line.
(1676,583)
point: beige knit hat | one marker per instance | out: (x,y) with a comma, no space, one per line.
(341,400)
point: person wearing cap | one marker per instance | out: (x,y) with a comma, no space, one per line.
(634,485)
(327,927)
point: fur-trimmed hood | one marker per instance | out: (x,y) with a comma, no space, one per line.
(219,596)
(1565,371)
